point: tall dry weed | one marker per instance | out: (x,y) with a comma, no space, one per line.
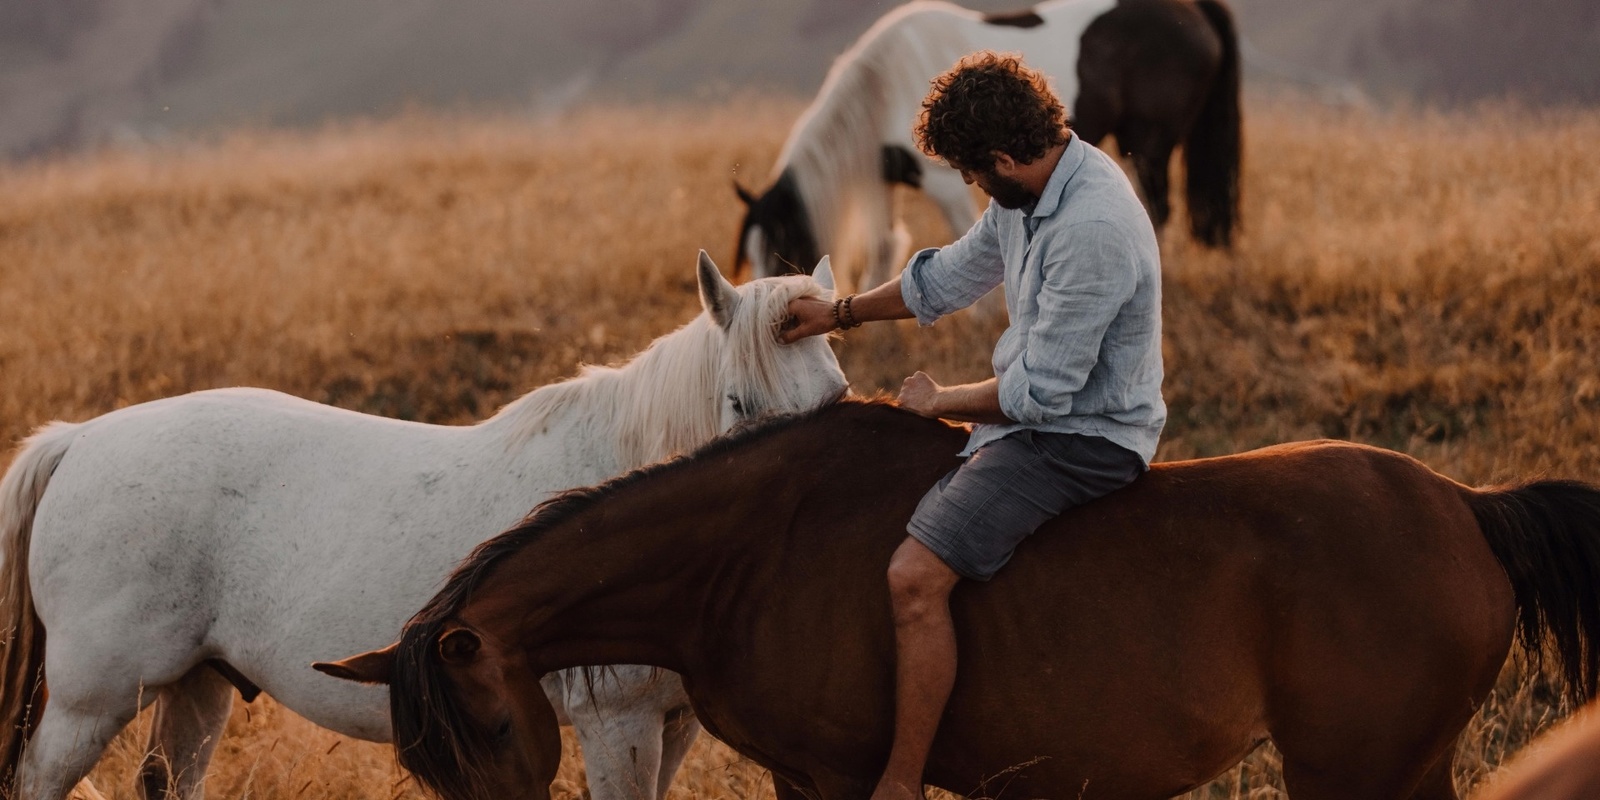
(1427,282)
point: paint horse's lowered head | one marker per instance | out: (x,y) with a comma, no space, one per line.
(776,236)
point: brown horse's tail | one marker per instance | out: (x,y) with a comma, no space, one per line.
(1547,537)
(1212,154)
(22,690)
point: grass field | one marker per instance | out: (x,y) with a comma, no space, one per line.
(1420,281)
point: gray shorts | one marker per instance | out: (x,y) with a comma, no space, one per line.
(977,514)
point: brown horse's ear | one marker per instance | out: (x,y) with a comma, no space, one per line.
(744,194)
(371,667)
(459,645)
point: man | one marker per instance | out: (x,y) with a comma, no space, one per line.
(1074,409)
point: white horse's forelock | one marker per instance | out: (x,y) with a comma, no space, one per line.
(667,399)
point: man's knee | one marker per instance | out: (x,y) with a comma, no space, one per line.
(919,582)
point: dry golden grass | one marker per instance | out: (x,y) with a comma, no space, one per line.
(1424,282)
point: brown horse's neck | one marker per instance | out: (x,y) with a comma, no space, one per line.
(643,571)
(572,599)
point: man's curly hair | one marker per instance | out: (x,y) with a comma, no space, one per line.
(988,102)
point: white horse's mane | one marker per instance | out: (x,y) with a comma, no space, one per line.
(668,398)
(836,147)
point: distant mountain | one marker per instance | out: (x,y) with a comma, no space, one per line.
(1543,51)
(81,72)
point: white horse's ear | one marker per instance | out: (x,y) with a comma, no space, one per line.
(717,295)
(373,667)
(823,274)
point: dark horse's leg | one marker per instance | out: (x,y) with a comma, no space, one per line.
(1148,143)
(1150,146)
(1145,72)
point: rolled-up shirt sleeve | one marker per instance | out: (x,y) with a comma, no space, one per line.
(942,280)
(1082,292)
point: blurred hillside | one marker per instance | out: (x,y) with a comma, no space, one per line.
(85,72)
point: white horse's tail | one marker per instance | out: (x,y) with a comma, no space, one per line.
(21,635)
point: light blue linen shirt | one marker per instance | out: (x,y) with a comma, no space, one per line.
(1082,276)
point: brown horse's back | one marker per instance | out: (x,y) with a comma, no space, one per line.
(1134,630)
(1125,635)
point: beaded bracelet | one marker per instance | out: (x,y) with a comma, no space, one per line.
(843,317)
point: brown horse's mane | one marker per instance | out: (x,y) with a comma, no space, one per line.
(433,740)
(551,513)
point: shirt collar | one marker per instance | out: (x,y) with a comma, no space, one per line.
(1071,159)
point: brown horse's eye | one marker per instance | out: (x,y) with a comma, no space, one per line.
(504,731)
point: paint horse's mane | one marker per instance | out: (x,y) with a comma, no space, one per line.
(838,141)
(659,396)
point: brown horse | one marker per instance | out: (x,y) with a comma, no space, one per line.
(1343,601)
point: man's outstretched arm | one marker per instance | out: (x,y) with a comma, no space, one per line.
(810,316)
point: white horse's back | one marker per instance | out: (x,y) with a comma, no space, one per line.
(919,41)
(241,520)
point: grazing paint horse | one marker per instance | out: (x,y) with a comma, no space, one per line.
(1156,73)
(1343,601)
(172,547)
(1561,765)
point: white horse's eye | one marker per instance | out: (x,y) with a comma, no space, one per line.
(738,405)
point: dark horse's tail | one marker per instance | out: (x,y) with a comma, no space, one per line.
(1212,153)
(1547,537)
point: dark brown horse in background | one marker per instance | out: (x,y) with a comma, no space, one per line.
(1156,74)
(1343,601)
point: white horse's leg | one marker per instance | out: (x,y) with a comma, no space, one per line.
(888,242)
(69,740)
(677,735)
(945,187)
(189,719)
(621,753)
(619,716)
(953,197)
(896,251)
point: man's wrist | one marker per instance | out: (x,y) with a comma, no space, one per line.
(844,317)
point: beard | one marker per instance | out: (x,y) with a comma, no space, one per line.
(1007,192)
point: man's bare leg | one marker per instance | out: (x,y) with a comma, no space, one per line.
(925,664)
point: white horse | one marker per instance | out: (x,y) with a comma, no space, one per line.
(1156,73)
(177,549)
